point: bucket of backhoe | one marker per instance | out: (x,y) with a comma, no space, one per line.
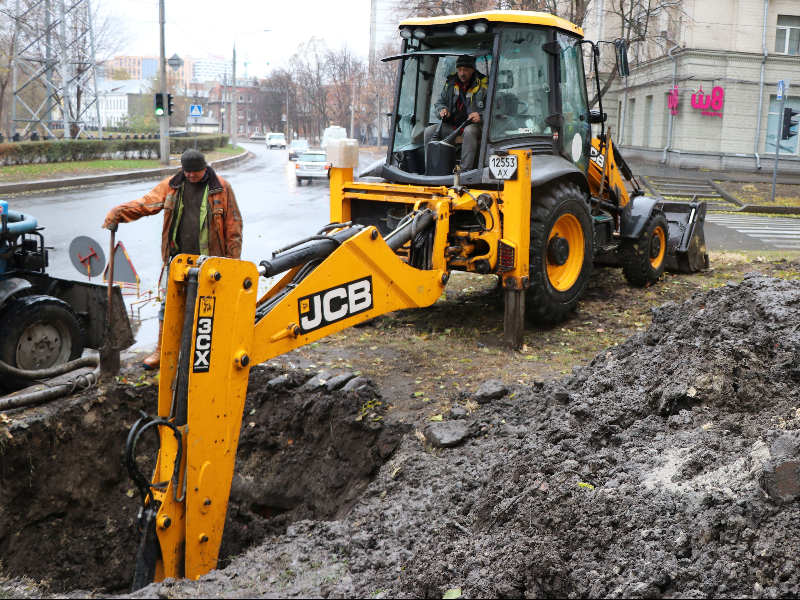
(686,243)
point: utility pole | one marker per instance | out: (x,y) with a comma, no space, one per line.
(353,111)
(163,120)
(65,78)
(288,129)
(235,115)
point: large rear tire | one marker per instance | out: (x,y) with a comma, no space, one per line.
(561,251)
(38,332)
(643,260)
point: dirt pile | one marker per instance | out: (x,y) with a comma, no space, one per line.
(666,468)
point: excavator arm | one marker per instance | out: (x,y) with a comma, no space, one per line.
(215,328)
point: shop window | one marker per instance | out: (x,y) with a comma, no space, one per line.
(788,147)
(648,120)
(787,36)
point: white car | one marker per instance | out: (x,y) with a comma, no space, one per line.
(258,136)
(276,140)
(311,165)
(334,132)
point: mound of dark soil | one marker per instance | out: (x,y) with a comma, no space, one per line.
(668,467)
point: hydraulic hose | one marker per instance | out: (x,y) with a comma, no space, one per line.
(82,382)
(86,361)
(316,247)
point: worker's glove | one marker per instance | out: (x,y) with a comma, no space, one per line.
(111,226)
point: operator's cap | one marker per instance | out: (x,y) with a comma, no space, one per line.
(465,61)
(193,160)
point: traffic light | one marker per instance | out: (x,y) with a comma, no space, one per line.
(789,123)
(158,102)
(170,105)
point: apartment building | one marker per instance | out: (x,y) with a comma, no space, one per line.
(702,91)
(220,99)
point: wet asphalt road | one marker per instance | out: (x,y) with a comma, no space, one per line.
(275,211)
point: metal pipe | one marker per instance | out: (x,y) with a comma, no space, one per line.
(671,116)
(19,223)
(761,84)
(185,357)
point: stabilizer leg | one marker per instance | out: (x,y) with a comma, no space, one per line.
(514,319)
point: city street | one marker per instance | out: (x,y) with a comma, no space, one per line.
(275,211)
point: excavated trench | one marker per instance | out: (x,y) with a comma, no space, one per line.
(68,510)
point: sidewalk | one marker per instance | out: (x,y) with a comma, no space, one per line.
(67,182)
(649,169)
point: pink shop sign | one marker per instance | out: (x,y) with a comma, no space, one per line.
(712,101)
(673,99)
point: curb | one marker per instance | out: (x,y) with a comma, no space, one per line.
(761,209)
(51,184)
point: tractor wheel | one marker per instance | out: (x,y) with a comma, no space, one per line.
(561,251)
(38,332)
(643,260)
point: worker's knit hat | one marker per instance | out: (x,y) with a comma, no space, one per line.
(465,61)
(193,160)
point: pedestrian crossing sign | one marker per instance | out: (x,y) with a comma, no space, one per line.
(195,110)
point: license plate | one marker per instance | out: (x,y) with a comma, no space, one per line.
(503,167)
(312,168)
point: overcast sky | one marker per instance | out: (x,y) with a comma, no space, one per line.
(202,27)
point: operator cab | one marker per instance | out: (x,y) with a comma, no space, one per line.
(536,90)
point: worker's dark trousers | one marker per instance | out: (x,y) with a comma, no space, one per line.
(469,149)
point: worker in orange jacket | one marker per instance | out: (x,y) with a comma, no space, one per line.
(200,217)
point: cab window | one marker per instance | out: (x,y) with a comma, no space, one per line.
(522,92)
(574,105)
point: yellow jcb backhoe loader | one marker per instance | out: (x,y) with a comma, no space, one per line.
(543,202)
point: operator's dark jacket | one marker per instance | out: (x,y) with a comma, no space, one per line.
(475,97)
(225,225)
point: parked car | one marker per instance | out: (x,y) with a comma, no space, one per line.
(311,165)
(276,140)
(334,132)
(258,136)
(296,148)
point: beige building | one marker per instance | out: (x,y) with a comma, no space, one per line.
(702,91)
(146,67)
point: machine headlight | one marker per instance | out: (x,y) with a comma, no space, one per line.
(405,34)
(419,34)
(462,29)
(480,27)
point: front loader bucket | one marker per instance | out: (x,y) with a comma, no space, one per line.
(686,246)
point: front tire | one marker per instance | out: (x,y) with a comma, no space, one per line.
(561,252)
(643,260)
(38,332)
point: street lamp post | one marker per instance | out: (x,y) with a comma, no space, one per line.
(234,110)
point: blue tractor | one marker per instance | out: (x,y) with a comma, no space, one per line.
(45,321)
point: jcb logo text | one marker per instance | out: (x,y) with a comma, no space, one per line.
(335,304)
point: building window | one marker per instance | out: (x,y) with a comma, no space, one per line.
(241,128)
(788,147)
(787,36)
(258,129)
(629,122)
(241,114)
(648,120)
(241,97)
(248,129)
